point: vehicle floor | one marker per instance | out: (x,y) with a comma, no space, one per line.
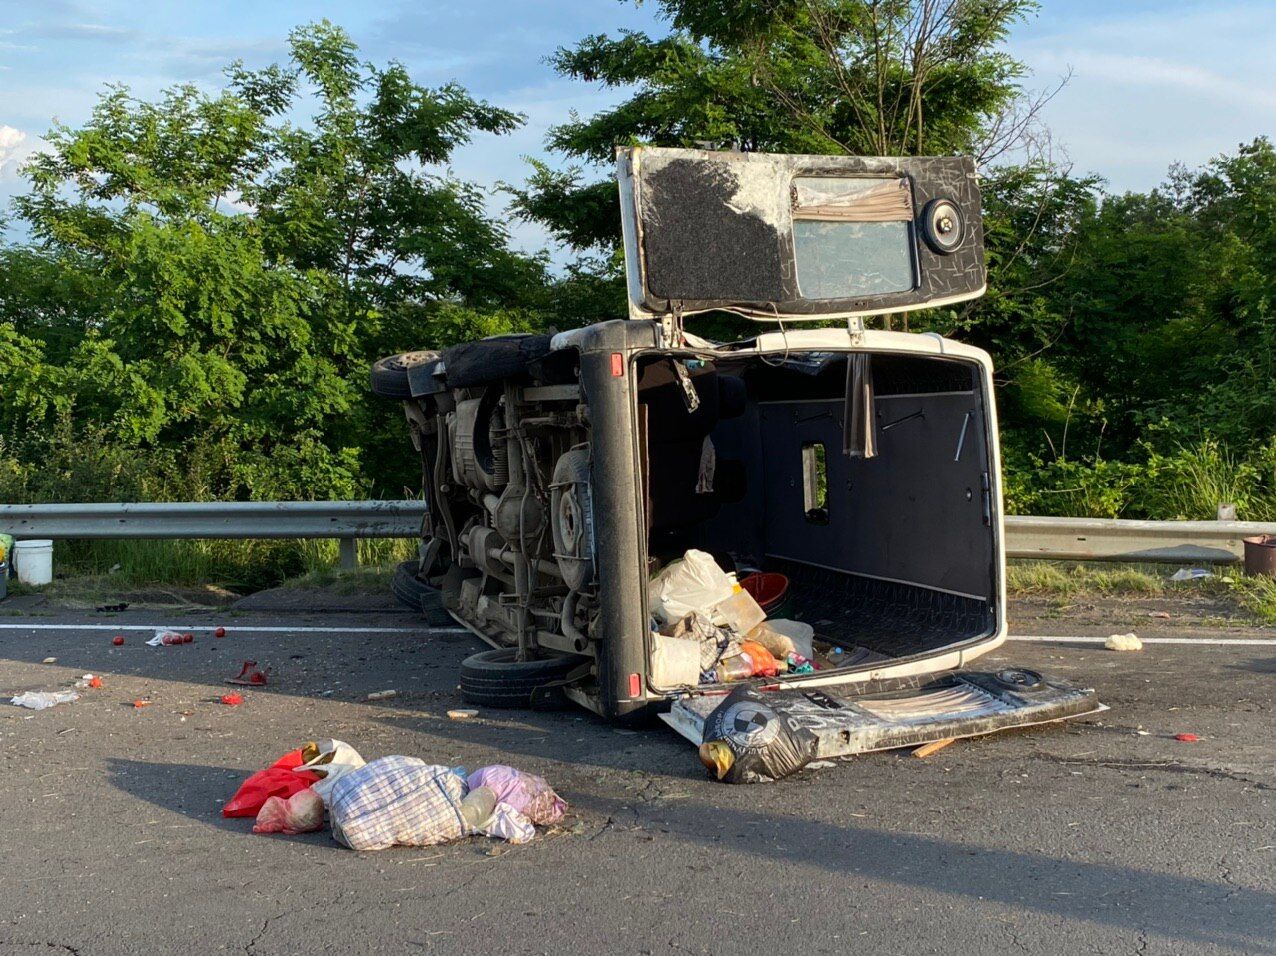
(883,618)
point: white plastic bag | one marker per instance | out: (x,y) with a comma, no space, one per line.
(44,699)
(675,661)
(695,583)
(800,633)
(331,760)
(506,823)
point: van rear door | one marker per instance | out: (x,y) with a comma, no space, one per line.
(850,719)
(780,237)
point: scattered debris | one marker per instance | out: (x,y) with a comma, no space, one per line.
(1186,738)
(746,741)
(529,794)
(49,660)
(1123,642)
(140,703)
(394,800)
(117,640)
(250,676)
(232,700)
(44,699)
(754,735)
(1189,574)
(382,695)
(219,632)
(170,637)
(122,606)
(463,713)
(925,750)
(1161,615)
(89,680)
(329,760)
(300,813)
(283,778)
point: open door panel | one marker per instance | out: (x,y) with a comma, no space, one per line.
(791,237)
(958,704)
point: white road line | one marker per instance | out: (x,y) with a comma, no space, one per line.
(233,626)
(230,626)
(1211,641)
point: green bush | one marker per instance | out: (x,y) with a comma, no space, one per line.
(1188,483)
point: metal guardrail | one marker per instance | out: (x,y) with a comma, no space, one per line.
(1119,539)
(1080,539)
(344,520)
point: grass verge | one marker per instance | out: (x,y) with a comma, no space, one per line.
(233,565)
(1254,595)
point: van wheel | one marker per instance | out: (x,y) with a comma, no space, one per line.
(499,679)
(416,595)
(389,376)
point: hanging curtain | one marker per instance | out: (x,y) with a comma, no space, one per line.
(859,417)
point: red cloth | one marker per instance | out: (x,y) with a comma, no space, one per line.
(277,780)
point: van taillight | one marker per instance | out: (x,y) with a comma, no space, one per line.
(635,685)
(617,364)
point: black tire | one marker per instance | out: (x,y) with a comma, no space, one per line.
(389,376)
(498,679)
(416,595)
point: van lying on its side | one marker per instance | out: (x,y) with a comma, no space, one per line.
(563,471)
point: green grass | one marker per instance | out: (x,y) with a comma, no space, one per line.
(1058,579)
(1255,595)
(239,566)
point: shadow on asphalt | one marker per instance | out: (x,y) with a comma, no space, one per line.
(185,788)
(1122,897)
(1257,665)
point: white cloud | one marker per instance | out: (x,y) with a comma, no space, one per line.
(15,147)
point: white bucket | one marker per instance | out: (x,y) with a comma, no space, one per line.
(33,560)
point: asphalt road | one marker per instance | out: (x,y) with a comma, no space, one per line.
(1084,837)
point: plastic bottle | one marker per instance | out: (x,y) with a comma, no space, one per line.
(477,807)
(733,668)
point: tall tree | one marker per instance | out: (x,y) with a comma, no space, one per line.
(867,77)
(211,276)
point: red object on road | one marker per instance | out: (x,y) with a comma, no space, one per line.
(277,780)
(139,704)
(250,676)
(1187,738)
(232,700)
(117,640)
(219,632)
(95,682)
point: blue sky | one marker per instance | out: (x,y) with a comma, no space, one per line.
(1153,82)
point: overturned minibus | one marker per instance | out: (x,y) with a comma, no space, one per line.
(856,467)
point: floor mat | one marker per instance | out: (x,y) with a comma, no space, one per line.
(887,617)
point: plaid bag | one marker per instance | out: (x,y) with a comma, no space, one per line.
(397,801)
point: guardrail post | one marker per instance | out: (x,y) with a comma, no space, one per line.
(349,551)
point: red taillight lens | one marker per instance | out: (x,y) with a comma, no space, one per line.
(617,365)
(635,685)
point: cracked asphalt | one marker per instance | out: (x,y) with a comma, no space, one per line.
(1083,837)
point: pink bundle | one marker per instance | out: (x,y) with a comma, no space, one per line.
(527,793)
(300,813)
